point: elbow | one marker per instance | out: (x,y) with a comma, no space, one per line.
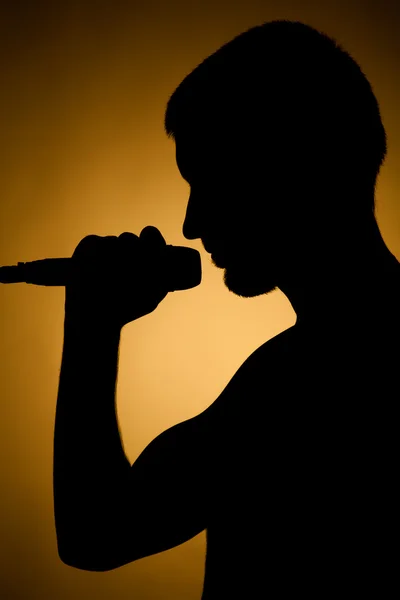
(80,556)
(90,546)
(78,546)
(88,559)
(84,563)
(88,564)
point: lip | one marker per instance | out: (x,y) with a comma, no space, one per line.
(207,247)
(217,254)
(218,259)
(211,245)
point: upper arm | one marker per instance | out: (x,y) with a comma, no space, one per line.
(163,501)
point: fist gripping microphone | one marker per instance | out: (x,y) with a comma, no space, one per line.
(183,267)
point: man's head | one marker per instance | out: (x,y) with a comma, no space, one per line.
(280,137)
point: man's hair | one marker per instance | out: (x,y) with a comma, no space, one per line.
(285,85)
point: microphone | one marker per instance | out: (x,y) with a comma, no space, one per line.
(183,270)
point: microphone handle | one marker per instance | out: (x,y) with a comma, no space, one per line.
(45,271)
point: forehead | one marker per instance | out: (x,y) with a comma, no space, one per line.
(194,160)
(201,158)
(183,156)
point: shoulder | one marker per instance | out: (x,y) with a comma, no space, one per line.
(274,352)
(259,377)
(252,404)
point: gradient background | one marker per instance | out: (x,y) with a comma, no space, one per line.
(83,92)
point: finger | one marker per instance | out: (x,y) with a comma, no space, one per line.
(128,236)
(101,257)
(92,258)
(128,246)
(153,236)
(87,245)
(93,246)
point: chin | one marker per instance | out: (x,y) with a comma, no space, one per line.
(247,282)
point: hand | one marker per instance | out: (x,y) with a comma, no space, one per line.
(117,280)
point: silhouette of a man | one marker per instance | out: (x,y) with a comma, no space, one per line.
(292,469)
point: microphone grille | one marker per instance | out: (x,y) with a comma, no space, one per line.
(184,268)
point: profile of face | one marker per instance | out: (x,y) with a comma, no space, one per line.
(236,208)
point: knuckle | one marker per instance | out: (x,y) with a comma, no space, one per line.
(88,240)
(128,237)
(148,229)
(128,245)
(92,246)
(86,243)
(151,233)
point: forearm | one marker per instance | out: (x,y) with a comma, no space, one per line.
(89,459)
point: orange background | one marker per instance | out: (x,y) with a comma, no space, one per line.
(83,92)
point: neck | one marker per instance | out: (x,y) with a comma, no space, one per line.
(342,285)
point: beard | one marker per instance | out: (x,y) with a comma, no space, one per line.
(246,277)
